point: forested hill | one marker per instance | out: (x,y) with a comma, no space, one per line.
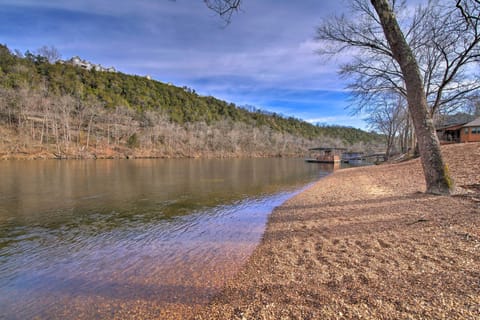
(72,110)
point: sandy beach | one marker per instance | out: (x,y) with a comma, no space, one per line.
(367,243)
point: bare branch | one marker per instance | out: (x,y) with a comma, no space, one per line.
(469,10)
(224,8)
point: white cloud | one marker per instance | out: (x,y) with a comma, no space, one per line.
(340,120)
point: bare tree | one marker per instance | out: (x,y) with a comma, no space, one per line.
(225,8)
(447,47)
(474,107)
(436,175)
(50,53)
(442,44)
(439,46)
(394,46)
(470,10)
(388,118)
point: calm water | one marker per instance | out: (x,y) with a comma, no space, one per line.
(93,239)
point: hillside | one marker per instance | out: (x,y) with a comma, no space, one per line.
(58,109)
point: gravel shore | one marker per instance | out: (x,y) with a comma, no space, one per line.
(367,243)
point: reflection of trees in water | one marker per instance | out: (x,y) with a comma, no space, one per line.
(106,194)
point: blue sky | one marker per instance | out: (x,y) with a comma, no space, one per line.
(265,57)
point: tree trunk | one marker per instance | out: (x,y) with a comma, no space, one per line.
(436,176)
(89,128)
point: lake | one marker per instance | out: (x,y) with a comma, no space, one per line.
(101,239)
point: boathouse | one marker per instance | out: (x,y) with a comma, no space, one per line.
(325,155)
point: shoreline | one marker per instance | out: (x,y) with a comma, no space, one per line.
(131,154)
(366,243)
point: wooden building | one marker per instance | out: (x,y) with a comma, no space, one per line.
(450,134)
(460,132)
(470,132)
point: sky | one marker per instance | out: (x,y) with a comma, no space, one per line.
(266,57)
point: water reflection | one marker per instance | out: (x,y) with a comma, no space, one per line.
(92,238)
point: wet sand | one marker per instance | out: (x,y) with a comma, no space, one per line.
(367,243)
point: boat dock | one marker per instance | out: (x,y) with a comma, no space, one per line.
(359,156)
(337,155)
(325,155)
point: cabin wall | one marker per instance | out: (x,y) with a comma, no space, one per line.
(470,134)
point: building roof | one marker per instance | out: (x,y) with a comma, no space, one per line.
(447,120)
(452,127)
(474,123)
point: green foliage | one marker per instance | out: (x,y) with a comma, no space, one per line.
(182,105)
(448,178)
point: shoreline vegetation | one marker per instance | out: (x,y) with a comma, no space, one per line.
(117,153)
(366,243)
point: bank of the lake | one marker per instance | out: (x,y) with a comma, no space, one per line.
(120,152)
(367,243)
